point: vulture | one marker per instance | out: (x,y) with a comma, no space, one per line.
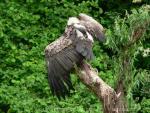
(69,50)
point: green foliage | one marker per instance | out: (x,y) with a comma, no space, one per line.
(121,34)
(145,105)
(127,42)
(26,27)
(140,91)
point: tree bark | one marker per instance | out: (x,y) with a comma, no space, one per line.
(112,103)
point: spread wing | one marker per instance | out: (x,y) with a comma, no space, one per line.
(61,55)
(59,64)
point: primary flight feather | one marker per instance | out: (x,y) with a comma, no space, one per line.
(70,49)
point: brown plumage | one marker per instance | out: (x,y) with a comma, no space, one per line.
(70,49)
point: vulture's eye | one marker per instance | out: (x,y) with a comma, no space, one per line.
(81,28)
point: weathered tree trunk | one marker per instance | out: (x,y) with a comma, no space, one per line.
(112,103)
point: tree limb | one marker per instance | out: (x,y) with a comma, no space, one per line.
(106,94)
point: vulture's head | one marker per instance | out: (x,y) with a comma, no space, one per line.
(86,23)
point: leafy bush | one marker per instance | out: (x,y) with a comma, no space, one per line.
(26,28)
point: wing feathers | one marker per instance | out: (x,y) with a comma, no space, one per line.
(85,49)
(68,50)
(59,67)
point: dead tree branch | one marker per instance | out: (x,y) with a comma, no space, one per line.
(106,94)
